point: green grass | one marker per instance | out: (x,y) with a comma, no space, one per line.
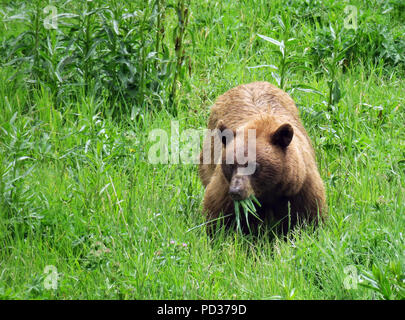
(77,191)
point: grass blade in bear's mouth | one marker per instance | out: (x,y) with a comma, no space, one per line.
(237,214)
(248,208)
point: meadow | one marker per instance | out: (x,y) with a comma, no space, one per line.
(85,215)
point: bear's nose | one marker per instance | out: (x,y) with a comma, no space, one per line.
(236,193)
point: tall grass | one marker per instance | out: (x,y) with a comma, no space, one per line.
(104,48)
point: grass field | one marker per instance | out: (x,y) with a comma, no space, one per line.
(85,215)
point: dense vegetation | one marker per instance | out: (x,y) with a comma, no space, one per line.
(83,83)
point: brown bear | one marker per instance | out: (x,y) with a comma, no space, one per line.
(285,179)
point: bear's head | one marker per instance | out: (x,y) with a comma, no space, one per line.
(260,159)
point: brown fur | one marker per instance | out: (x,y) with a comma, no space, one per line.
(288,179)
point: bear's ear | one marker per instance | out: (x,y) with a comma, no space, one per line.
(225,134)
(283,135)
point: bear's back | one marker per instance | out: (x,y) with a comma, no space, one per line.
(245,102)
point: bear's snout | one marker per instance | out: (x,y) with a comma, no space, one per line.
(239,188)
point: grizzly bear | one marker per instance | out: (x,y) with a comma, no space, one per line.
(285,178)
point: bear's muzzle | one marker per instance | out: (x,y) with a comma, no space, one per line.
(240,187)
